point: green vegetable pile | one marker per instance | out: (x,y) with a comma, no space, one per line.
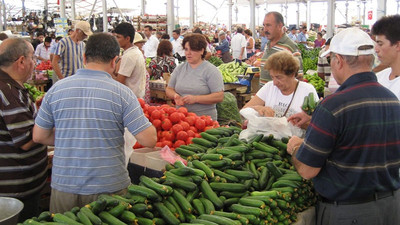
(33,91)
(309,104)
(148,60)
(309,57)
(231,70)
(227,182)
(316,81)
(216,61)
(228,111)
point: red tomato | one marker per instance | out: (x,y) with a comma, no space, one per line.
(190,120)
(183,110)
(159,144)
(189,140)
(165,106)
(163,116)
(159,134)
(209,121)
(194,129)
(156,115)
(146,115)
(157,123)
(175,117)
(169,143)
(215,124)
(185,125)
(182,135)
(197,135)
(137,145)
(176,128)
(208,127)
(166,124)
(200,124)
(170,110)
(168,135)
(181,116)
(191,114)
(141,101)
(150,109)
(179,143)
(190,133)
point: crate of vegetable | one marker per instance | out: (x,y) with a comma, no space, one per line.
(231,70)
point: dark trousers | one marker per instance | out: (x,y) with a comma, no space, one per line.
(31,207)
(385,211)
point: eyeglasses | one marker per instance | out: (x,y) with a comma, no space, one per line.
(328,58)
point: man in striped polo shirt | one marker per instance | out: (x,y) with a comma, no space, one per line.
(277,41)
(69,51)
(352,145)
(84,116)
(23,163)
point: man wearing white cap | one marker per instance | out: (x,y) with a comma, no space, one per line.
(70,51)
(351,149)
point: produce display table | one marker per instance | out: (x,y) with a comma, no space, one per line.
(39,84)
(159,94)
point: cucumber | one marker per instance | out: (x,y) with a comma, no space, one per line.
(182,202)
(179,164)
(230,201)
(219,219)
(210,194)
(215,131)
(184,171)
(213,157)
(241,209)
(265,148)
(234,156)
(137,199)
(181,215)
(279,144)
(228,177)
(196,179)
(159,221)
(144,221)
(252,202)
(192,195)
(254,170)
(271,194)
(159,188)
(291,177)
(230,142)
(286,183)
(166,214)
(255,138)
(198,206)
(233,187)
(273,169)
(144,191)
(208,205)
(92,217)
(200,165)
(99,205)
(204,222)
(240,174)
(58,217)
(110,219)
(204,142)
(169,167)
(239,148)
(31,222)
(229,194)
(84,219)
(139,208)
(216,164)
(230,215)
(45,216)
(128,217)
(111,201)
(209,137)
(225,151)
(117,210)
(252,218)
(263,178)
(184,152)
(180,183)
(71,215)
(170,207)
(304,107)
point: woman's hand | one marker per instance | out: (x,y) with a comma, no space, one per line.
(178,99)
(189,99)
(264,110)
(300,119)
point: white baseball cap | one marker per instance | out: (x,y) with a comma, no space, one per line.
(348,42)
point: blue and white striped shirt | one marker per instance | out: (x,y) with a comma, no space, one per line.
(89,112)
(71,54)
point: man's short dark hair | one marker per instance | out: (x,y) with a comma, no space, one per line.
(16,48)
(177,31)
(149,27)
(278,17)
(48,39)
(126,30)
(39,34)
(239,30)
(59,38)
(165,36)
(104,54)
(388,26)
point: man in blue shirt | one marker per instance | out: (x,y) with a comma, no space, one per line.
(302,36)
(223,46)
(84,116)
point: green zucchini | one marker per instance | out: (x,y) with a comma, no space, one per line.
(241,209)
(198,206)
(240,174)
(182,201)
(84,219)
(203,142)
(144,221)
(219,219)
(166,214)
(209,137)
(204,222)
(128,217)
(200,165)
(180,213)
(233,187)
(117,210)
(144,191)
(58,217)
(92,217)
(213,157)
(252,202)
(180,183)
(228,177)
(210,194)
(208,205)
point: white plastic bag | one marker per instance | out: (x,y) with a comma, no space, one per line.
(130,141)
(278,127)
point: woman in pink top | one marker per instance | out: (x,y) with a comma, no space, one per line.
(319,42)
(250,47)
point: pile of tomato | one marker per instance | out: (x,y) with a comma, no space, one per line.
(175,127)
(44,65)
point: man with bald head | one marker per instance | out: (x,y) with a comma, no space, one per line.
(23,163)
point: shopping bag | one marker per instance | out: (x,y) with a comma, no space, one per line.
(278,127)
(168,155)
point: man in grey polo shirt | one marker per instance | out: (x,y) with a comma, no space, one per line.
(84,116)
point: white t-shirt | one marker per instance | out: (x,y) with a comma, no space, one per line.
(393,85)
(237,43)
(177,47)
(274,98)
(150,48)
(134,68)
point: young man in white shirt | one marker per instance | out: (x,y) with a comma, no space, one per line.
(150,48)
(238,45)
(177,43)
(42,51)
(387,31)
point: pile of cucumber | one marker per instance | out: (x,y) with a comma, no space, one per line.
(227,181)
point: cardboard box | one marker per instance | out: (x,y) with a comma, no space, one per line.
(138,156)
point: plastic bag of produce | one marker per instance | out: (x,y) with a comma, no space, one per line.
(279,127)
(228,110)
(170,156)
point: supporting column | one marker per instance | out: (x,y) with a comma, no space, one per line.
(191,10)
(298,15)
(230,4)
(177,13)
(308,14)
(252,17)
(1,14)
(365,12)
(46,9)
(105,18)
(346,14)
(4,24)
(62,9)
(381,10)
(331,18)
(23,9)
(286,7)
(73,15)
(170,16)
(359,10)
(143,5)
